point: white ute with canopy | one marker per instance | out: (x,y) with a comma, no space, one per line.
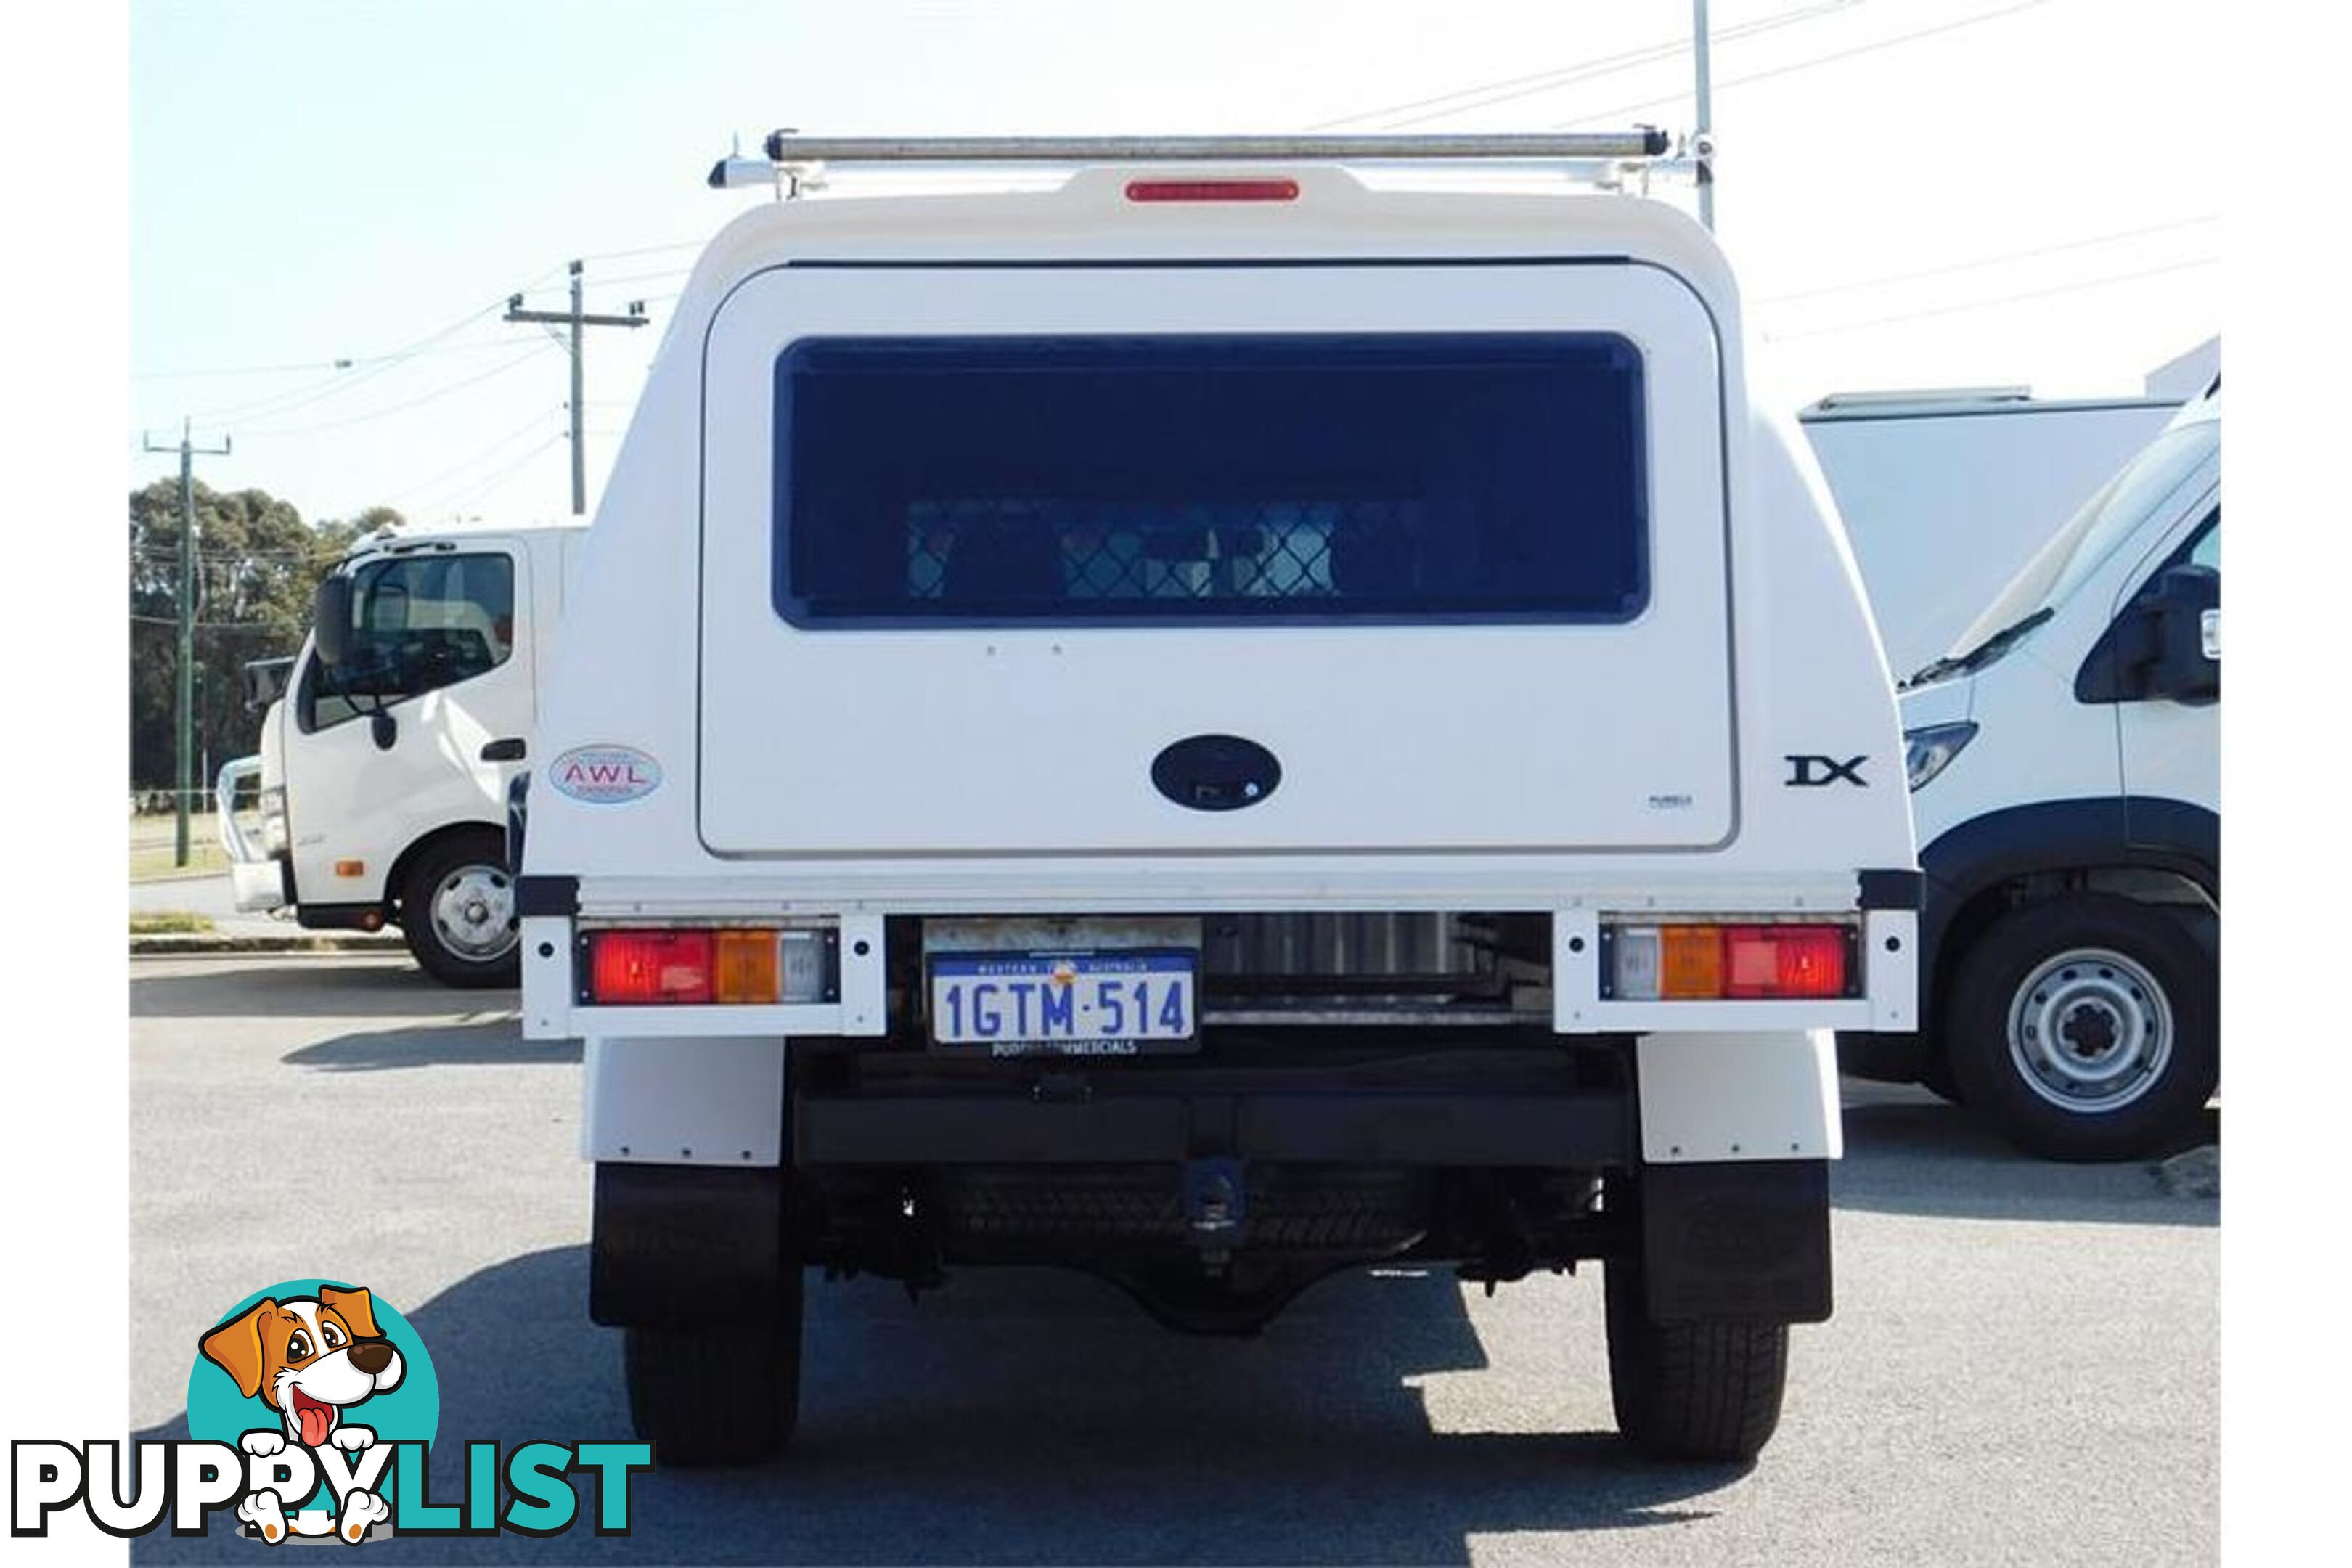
(1226,710)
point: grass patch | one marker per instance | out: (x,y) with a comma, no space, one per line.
(169,922)
(151,848)
(156,864)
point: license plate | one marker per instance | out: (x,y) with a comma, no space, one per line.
(1114,1004)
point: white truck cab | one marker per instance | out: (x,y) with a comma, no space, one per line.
(1248,710)
(383,772)
(2066,760)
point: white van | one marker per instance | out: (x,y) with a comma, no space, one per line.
(383,771)
(2065,759)
(1946,494)
(1234,714)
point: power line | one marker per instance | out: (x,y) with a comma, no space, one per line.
(1504,91)
(425,486)
(303,396)
(208,625)
(631,254)
(2075,287)
(1983,261)
(337,365)
(434,396)
(492,483)
(1871,47)
(664,274)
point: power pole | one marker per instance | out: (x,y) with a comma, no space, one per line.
(187,618)
(1704,135)
(576,319)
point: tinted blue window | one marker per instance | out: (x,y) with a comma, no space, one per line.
(1191,479)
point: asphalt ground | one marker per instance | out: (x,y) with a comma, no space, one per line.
(2023,1368)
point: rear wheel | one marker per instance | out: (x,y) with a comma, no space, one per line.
(2087,1028)
(458,911)
(1691,1391)
(728,1394)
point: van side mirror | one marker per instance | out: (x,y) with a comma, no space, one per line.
(2165,644)
(2181,601)
(330,618)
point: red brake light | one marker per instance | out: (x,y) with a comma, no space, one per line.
(1211,190)
(646,966)
(1784,961)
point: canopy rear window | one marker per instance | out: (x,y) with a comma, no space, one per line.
(1182,480)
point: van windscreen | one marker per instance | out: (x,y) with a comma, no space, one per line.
(1188,481)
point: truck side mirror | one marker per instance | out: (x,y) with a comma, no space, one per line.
(265,682)
(2186,604)
(330,618)
(383,729)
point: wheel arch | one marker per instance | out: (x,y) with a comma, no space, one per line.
(397,878)
(1980,869)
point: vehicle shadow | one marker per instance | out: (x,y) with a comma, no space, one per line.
(292,988)
(1906,1151)
(1036,1416)
(493,1041)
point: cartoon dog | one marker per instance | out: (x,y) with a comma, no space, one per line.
(310,1358)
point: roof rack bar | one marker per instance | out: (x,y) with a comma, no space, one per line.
(787,147)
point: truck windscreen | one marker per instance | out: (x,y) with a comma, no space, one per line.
(1183,480)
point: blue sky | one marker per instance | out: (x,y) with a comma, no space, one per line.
(1918,191)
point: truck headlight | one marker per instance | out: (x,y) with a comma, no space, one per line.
(1927,751)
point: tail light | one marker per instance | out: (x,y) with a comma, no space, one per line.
(1696,962)
(637,967)
(732,966)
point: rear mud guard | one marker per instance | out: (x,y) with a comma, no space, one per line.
(1744,1240)
(686,1245)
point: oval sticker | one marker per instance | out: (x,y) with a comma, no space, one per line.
(605,774)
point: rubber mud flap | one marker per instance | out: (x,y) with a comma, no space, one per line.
(686,1245)
(1736,1240)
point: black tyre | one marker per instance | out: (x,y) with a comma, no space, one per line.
(458,911)
(723,1395)
(1691,1391)
(2087,1028)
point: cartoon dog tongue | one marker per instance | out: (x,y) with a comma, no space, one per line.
(317,1419)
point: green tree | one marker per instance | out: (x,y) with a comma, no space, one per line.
(257,564)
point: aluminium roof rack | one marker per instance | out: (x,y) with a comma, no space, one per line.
(791,154)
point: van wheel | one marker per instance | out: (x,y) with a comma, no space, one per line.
(458,911)
(726,1395)
(2087,1028)
(1691,1391)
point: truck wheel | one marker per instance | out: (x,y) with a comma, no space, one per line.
(458,911)
(1691,1391)
(2087,1028)
(721,1395)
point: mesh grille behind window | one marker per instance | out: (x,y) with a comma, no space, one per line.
(1071,481)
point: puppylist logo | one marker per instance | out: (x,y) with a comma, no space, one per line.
(311,1409)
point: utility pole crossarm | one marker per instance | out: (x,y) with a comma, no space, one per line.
(576,319)
(564,318)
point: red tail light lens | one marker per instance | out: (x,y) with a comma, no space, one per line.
(1697,962)
(1784,961)
(1211,190)
(629,967)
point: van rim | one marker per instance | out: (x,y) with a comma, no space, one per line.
(2090,1031)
